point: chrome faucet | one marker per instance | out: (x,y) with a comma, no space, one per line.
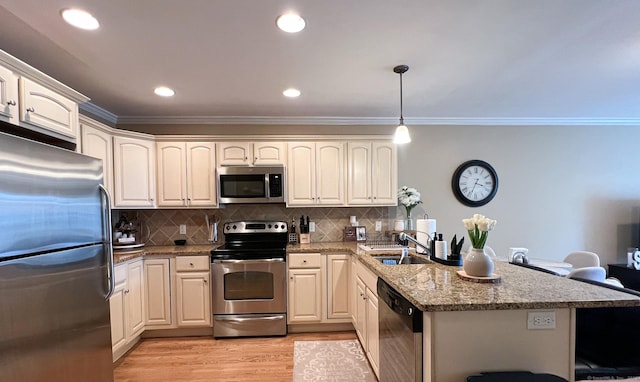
(403,236)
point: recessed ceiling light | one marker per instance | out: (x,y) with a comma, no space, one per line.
(291,93)
(290,23)
(164,91)
(80,19)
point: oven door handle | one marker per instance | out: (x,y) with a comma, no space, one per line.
(243,319)
(276,260)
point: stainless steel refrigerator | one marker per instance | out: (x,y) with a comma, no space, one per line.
(56,265)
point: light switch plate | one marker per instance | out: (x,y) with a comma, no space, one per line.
(378,226)
(312,227)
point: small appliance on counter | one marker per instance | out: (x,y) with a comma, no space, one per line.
(129,232)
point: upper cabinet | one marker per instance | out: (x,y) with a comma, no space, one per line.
(372,176)
(35,101)
(186,174)
(134,172)
(97,142)
(251,153)
(315,174)
(8,96)
(47,109)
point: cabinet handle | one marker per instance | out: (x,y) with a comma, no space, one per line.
(245,158)
(126,291)
(191,264)
(11,103)
(205,281)
(291,277)
(30,109)
(304,261)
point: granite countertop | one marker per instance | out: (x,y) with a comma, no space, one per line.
(155,250)
(436,287)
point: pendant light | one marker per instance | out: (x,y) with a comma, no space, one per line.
(402,132)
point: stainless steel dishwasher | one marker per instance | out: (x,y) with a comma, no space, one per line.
(400,328)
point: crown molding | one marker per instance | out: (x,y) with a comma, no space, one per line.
(93,110)
(354,121)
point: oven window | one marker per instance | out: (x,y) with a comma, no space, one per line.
(242,186)
(248,285)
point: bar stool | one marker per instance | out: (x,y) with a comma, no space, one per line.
(514,376)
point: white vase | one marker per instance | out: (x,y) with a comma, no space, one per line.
(477,263)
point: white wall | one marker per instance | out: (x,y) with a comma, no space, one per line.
(561,188)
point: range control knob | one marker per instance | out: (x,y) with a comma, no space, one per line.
(282,226)
(410,311)
(234,226)
(227,228)
(269,226)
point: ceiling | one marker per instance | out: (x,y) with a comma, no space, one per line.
(471,61)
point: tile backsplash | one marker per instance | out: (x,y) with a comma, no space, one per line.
(163,225)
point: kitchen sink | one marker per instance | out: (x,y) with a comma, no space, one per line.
(393,260)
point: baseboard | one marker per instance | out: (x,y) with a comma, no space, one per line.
(180,332)
(315,328)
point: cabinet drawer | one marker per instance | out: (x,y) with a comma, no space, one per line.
(305,260)
(192,263)
(120,273)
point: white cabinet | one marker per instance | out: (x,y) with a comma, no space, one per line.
(305,288)
(97,142)
(193,291)
(157,292)
(186,174)
(44,108)
(315,174)
(9,96)
(319,288)
(372,177)
(338,295)
(251,153)
(127,307)
(134,172)
(366,314)
(32,100)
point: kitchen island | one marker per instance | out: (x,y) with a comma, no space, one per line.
(472,327)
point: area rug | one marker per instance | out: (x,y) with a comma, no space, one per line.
(335,361)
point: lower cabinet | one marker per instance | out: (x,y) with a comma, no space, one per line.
(318,288)
(366,314)
(127,307)
(157,292)
(193,291)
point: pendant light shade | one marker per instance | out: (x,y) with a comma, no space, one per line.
(402,132)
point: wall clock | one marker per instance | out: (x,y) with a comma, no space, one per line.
(475,183)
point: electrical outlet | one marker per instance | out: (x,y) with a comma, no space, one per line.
(183,229)
(541,320)
(312,227)
(378,226)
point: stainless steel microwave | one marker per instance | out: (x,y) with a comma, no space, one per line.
(238,184)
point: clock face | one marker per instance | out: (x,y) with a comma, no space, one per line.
(475,183)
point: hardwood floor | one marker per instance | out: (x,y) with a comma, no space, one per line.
(199,359)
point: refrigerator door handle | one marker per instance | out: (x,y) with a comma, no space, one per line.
(108,241)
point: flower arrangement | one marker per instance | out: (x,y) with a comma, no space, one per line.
(409,197)
(478,227)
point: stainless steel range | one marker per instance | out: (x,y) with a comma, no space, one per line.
(249,286)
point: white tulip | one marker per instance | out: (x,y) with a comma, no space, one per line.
(468,224)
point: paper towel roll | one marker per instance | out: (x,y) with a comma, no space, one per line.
(441,250)
(424,227)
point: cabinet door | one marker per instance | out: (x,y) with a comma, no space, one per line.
(135,299)
(269,153)
(193,298)
(134,172)
(361,311)
(42,107)
(305,295)
(8,96)
(330,173)
(99,144)
(373,339)
(234,153)
(359,173)
(301,170)
(172,171)
(201,174)
(157,292)
(384,174)
(338,285)
(118,316)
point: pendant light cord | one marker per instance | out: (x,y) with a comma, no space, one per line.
(401,117)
